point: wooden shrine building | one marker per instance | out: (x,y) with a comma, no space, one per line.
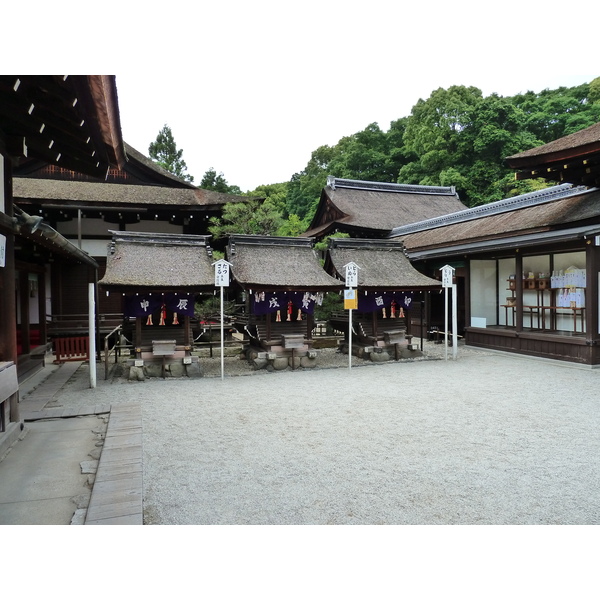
(371,209)
(70,121)
(281,280)
(389,288)
(156,278)
(532,262)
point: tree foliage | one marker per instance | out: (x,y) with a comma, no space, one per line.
(164,151)
(249,217)
(217,182)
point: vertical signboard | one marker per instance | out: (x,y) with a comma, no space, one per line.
(448,283)
(351,301)
(222,268)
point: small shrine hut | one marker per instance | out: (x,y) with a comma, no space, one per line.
(281,280)
(388,288)
(159,276)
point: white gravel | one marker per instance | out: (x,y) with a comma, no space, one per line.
(487,439)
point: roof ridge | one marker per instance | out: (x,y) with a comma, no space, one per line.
(551,194)
(335,182)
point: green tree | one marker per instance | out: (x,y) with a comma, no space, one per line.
(552,114)
(249,217)
(217,182)
(164,152)
(594,95)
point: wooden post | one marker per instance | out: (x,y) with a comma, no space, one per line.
(92,332)
(24,306)
(42,308)
(138,337)
(519,292)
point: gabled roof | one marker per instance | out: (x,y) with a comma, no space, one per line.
(383,265)
(556,214)
(103,195)
(574,158)
(158,261)
(67,120)
(372,209)
(277,263)
(147,168)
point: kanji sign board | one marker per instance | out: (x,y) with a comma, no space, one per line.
(221,273)
(351,274)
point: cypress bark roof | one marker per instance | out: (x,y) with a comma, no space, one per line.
(567,211)
(278,263)
(349,205)
(158,261)
(383,264)
(107,195)
(573,158)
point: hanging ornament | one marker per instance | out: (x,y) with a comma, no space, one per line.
(393,310)
(383,312)
(401,313)
(163,314)
(299,315)
(278,317)
(289,311)
(175,319)
(149,320)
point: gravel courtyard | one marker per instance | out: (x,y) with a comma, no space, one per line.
(487,439)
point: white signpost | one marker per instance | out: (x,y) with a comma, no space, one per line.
(447,282)
(222,268)
(351,297)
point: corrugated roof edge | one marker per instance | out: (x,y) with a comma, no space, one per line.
(334,182)
(493,208)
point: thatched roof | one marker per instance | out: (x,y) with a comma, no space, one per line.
(382,265)
(158,261)
(574,158)
(136,162)
(113,195)
(554,214)
(277,263)
(375,208)
(575,143)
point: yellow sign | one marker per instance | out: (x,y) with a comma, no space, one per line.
(350,300)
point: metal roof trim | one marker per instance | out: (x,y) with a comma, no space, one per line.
(518,241)
(373,186)
(558,192)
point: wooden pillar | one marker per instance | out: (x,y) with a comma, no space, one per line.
(42,308)
(8,305)
(186,333)
(519,291)
(138,337)
(468,294)
(24,309)
(592,262)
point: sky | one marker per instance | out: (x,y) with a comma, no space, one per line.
(251,89)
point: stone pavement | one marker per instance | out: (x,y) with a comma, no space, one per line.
(63,452)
